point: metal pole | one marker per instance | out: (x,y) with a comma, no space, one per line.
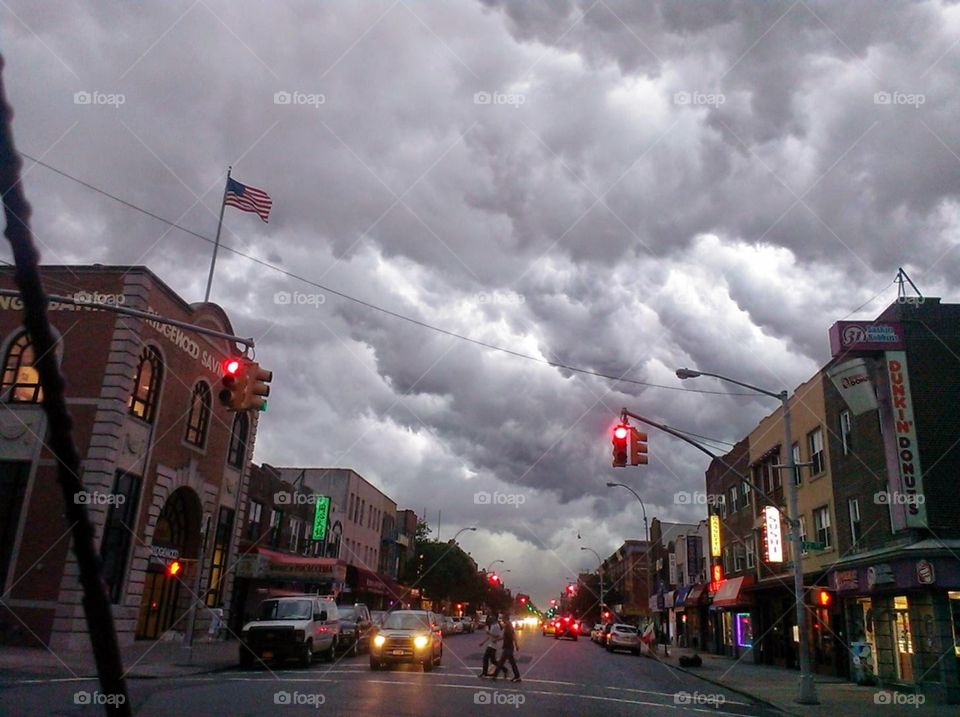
(216,242)
(808,690)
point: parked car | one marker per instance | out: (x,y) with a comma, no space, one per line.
(377,617)
(291,627)
(412,636)
(596,631)
(567,626)
(460,624)
(624,637)
(356,628)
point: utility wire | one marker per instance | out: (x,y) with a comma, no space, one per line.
(375,307)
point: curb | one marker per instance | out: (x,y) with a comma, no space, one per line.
(725,686)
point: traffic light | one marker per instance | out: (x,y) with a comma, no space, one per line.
(571,589)
(233,384)
(174,568)
(494,579)
(823,598)
(638,448)
(606,615)
(244,385)
(257,389)
(621,435)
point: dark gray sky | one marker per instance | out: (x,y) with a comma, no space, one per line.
(625,187)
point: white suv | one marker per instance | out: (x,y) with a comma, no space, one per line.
(298,627)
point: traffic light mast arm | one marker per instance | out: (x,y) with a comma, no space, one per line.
(624,414)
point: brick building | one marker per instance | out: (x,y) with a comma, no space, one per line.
(163,463)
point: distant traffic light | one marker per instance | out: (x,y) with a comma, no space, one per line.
(571,589)
(494,579)
(621,435)
(638,447)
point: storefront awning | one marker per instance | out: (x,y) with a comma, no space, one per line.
(261,563)
(367,581)
(695,596)
(681,596)
(730,592)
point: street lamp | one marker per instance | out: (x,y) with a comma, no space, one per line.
(646,528)
(487,569)
(808,691)
(462,530)
(601,577)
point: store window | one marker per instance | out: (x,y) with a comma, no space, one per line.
(146,385)
(954,596)
(21,381)
(221,548)
(744,630)
(903,638)
(118,532)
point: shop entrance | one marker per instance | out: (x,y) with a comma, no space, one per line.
(903,639)
(177,533)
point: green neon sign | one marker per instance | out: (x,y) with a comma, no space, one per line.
(321,517)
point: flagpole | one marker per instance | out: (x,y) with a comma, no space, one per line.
(216,242)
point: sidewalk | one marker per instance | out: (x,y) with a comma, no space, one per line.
(143,659)
(778,687)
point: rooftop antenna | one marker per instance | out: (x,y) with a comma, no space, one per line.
(901,290)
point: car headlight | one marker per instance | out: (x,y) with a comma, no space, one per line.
(420,641)
(379,640)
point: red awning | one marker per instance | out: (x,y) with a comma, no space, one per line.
(262,563)
(695,596)
(729,594)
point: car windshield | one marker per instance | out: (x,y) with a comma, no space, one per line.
(625,629)
(347,613)
(285,610)
(406,621)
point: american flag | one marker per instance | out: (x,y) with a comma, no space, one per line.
(249,199)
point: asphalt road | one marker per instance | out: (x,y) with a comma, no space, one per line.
(559,678)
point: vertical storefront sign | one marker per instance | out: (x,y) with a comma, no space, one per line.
(772,536)
(714,536)
(907,480)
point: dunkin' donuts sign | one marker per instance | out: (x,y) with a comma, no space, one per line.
(905,435)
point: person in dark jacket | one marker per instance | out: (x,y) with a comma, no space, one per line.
(506,653)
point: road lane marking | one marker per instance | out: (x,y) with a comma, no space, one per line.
(671,694)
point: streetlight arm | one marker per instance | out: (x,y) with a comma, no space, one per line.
(683,373)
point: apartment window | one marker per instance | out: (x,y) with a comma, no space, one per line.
(745,492)
(751,552)
(775,472)
(146,385)
(118,532)
(846,429)
(738,557)
(363,510)
(276,518)
(199,418)
(20,378)
(853,509)
(821,523)
(350,508)
(815,445)
(253,520)
(238,440)
(221,548)
(733,499)
(797,473)
(295,530)
(803,533)
(726,559)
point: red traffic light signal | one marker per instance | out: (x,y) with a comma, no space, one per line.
(244,385)
(174,568)
(620,435)
(571,589)
(824,598)
(494,579)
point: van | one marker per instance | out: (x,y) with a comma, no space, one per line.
(295,627)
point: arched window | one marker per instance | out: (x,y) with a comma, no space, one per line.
(21,381)
(146,386)
(199,417)
(238,440)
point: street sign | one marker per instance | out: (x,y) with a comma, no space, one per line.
(808,545)
(320,517)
